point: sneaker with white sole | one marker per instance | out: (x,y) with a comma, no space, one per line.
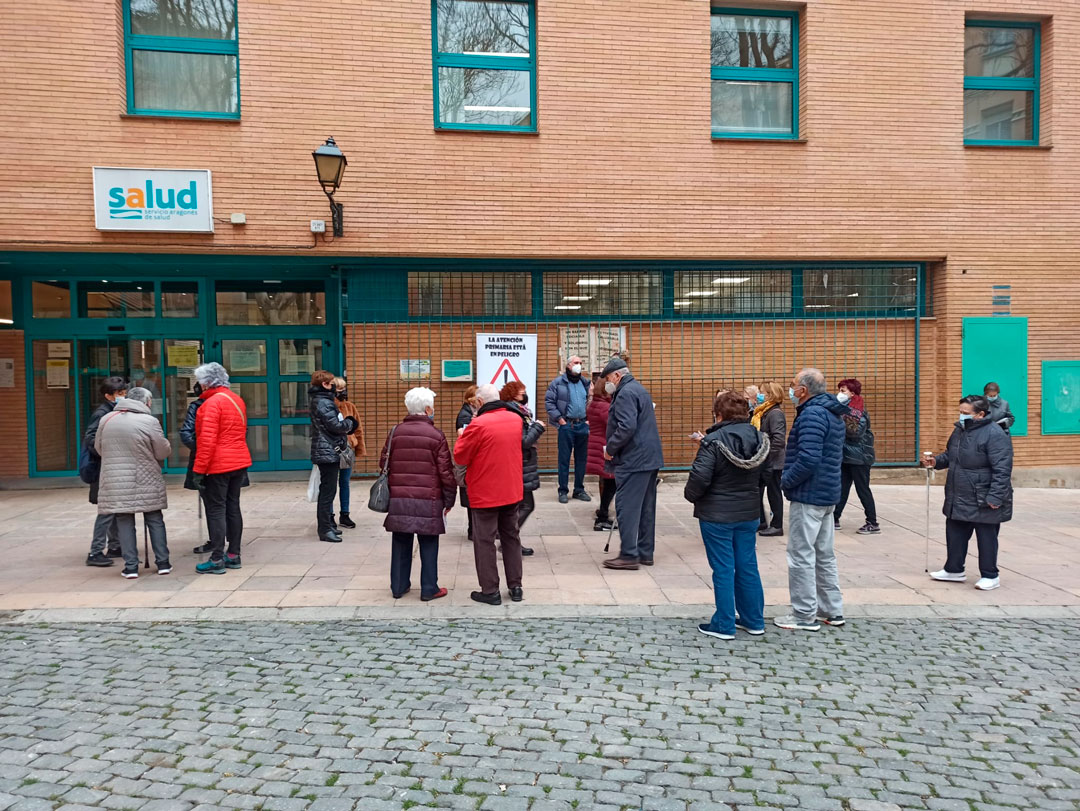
(836,621)
(949,577)
(708,631)
(752,631)
(792,623)
(130,573)
(988,583)
(164,568)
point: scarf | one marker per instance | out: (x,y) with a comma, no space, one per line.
(856,403)
(759,412)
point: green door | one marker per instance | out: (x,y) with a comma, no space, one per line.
(1061,397)
(996,349)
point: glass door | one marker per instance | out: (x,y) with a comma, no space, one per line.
(246,361)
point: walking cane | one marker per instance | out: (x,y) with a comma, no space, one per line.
(614,527)
(929,473)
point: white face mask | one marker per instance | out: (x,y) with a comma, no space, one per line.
(576,369)
(610,387)
(842,397)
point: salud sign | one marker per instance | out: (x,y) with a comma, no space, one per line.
(502,357)
(153,200)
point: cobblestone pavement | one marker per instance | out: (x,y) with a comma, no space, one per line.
(549,715)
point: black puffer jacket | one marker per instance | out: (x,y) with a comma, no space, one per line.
(774,426)
(979,459)
(723,483)
(464,416)
(531,431)
(858,439)
(329,430)
(106,407)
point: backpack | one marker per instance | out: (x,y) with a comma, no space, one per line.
(89,464)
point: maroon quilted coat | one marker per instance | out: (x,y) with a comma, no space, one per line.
(421,477)
(597,414)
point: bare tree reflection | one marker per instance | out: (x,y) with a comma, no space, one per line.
(751,42)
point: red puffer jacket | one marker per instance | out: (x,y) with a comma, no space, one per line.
(221,432)
(597,414)
(490,449)
(421,477)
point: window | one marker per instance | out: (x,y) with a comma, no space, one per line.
(603,293)
(116,299)
(484,63)
(470,294)
(837,291)
(182,58)
(180,299)
(755,74)
(7,315)
(281,304)
(50,299)
(712,292)
(1001,83)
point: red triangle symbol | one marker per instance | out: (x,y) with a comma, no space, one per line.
(506,365)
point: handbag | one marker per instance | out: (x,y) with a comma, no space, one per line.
(346,457)
(379,496)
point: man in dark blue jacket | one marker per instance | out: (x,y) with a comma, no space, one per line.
(634,452)
(811,482)
(565,401)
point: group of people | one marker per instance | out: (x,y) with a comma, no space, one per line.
(608,425)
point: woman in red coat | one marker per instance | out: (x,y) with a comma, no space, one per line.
(422,491)
(597,414)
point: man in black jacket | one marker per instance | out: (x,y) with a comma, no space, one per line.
(636,456)
(105,530)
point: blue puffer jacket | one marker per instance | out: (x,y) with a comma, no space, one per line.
(815,449)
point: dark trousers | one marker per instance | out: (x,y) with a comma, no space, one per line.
(105,532)
(401,563)
(525,507)
(607,493)
(957,535)
(860,476)
(769,484)
(328,482)
(154,526)
(486,522)
(221,497)
(573,437)
(635,510)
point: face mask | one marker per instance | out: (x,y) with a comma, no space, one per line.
(992,397)
(610,387)
(760,398)
(791,396)
(197,389)
(842,397)
(965,418)
(524,399)
(575,369)
(341,395)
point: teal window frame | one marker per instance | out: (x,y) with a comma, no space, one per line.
(789,75)
(133,42)
(1031,84)
(440,59)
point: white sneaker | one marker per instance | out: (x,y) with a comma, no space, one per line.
(949,577)
(988,583)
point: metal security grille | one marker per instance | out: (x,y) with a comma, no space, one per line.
(689,331)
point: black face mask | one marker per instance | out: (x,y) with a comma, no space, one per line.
(524,399)
(197,389)
(341,395)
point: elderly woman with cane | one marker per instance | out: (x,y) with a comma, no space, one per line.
(978,491)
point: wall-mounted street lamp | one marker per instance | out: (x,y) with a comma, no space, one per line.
(330,164)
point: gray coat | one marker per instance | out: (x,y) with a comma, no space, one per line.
(979,460)
(1001,413)
(633,439)
(132,448)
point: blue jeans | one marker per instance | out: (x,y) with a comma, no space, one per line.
(573,437)
(735,577)
(343,489)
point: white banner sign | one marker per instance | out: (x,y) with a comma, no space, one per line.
(501,358)
(153,200)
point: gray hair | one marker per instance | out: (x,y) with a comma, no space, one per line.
(139,395)
(814,381)
(212,375)
(487,393)
(419,399)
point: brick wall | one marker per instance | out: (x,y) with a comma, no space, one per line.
(623,165)
(13,442)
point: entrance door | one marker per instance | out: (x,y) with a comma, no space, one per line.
(272,375)
(996,349)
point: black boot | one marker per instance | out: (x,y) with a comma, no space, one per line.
(346,521)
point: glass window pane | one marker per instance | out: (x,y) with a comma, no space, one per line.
(853,289)
(299,356)
(745,41)
(483,27)
(244,357)
(296,441)
(255,398)
(999,52)
(483,96)
(732,291)
(999,115)
(751,107)
(51,299)
(258,442)
(116,299)
(470,294)
(294,399)
(274,304)
(56,442)
(7,315)
(185,82)
(574,295)
(180,299)
(202,19)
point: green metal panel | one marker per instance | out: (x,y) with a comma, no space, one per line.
(996,349)
(1061,397)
